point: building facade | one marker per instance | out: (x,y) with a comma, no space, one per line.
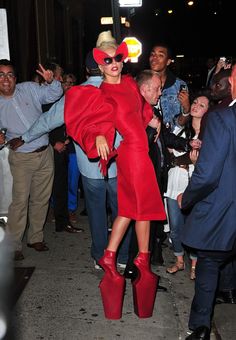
(43,30)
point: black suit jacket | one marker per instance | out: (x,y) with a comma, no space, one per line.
(167,140)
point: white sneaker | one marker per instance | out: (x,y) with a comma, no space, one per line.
(96,265)
(121,265)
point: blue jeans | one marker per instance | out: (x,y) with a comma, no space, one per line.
(177,220)
(97,193)
(73,182)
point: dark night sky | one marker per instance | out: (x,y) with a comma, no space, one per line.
(195,31)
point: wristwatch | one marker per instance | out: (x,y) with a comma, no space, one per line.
(22,139)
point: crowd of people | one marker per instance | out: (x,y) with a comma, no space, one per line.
(147,150)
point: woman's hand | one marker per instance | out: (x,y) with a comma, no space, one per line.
(102,147)
(195,143)
(179,200)
(193,155)
(59,147)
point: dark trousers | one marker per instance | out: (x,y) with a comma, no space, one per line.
(207,274)
(60,190)
(156,237)
(133,247)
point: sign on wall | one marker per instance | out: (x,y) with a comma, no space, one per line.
(4,43)
(134,48)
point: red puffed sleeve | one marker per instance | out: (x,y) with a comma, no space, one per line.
(147,113)
(145,107)
(87,114)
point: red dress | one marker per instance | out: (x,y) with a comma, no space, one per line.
(120,107)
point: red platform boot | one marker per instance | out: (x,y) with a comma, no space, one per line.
(112,286)
(144,287)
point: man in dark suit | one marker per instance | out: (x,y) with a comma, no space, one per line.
(210,227)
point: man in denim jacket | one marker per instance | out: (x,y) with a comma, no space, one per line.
(174,101)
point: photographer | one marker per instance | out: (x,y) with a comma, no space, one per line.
(223,63)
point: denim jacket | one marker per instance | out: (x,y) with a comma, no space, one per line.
(169,103)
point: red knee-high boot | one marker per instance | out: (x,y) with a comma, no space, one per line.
(112,286)
(144,287)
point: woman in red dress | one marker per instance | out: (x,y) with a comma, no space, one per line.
(91,118)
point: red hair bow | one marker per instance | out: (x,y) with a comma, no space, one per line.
(101,56)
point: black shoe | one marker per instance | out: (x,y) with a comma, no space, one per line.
(157,262)
(38,246)
(200,333)
(130,273)
(156,254)
(71,229)
(84,213)
(59,230)
(228,296)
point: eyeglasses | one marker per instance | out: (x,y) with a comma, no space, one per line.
(8,75)
(109,60)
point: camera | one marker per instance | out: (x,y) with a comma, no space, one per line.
(227,60)
(222,58)
(183,87)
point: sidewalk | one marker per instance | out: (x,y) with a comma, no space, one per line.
(62,300)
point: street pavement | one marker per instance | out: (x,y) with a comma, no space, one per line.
(62,300)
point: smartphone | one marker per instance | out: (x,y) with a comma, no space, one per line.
(183,87)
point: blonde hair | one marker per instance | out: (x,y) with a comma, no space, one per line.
(106,40)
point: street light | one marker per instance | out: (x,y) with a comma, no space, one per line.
(130,3)
(116,17)
(116,20)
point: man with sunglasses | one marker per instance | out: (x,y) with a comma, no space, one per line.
(32,164)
